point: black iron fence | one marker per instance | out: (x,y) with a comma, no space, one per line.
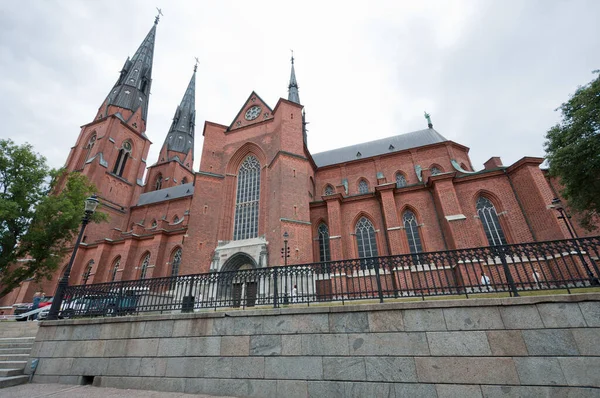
(563,264)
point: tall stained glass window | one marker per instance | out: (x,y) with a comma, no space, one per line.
(324,254)
(115,269)
(145,264)
(491,225)
(247,200)
(365,238)
(176,262)
(412,232)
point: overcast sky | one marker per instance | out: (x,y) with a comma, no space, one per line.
(490,73)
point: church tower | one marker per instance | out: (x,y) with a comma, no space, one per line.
(176,158)
(111,150)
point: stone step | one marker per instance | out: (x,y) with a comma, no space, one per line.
(7,346)
(13,381)
(11,372)
(11,340)
(14,350)
(14,357)
(13,364)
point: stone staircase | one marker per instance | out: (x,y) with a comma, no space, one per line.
(16,341)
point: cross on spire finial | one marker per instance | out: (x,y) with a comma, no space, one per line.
(292,56)
(157,18)
(197,62)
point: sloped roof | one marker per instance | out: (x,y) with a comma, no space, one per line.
(378,147)
(176,192)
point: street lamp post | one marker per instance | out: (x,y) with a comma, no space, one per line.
(285,253)
(557,205)
(90,207)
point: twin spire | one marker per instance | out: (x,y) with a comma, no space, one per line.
(132,91)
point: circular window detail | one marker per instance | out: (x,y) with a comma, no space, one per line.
(253,112)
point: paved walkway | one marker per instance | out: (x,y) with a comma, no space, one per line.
(71,391)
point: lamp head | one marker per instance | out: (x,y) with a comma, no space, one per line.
(557,203)
(91,203)
(285,235)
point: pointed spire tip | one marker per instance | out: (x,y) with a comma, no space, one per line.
(157,18)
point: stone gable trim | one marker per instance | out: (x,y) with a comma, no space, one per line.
(207,174)
(279,153)
(296,221)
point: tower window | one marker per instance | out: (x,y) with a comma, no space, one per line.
(489,219)
(329,190)
(124,154)
(247,200)
(435,170)
(159,181)
(184,180)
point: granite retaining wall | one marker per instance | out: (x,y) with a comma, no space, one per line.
(513,347)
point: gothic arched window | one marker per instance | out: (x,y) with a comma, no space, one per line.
(87,273)
(176,262)
(400,180)
(491,225)
(324,254)
(435,170)
(115,269)
(365,238)
(159,181)
(329,190)
(144,266)
(412,232)
(363,186)
(124,154)
(247,200)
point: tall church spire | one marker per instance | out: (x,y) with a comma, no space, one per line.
(132,89)
(180,137)
(293,87)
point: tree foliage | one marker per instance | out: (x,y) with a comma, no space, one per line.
(37,220)
(573,152)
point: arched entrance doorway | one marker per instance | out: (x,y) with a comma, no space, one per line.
(240,283)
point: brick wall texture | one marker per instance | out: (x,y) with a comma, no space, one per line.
(512,347)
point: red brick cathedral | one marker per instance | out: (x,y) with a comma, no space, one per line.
(407,193)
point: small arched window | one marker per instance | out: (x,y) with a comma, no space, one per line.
(124,154)
(435,170)
(324,253)
(184,180)
(489,219)
(154,223)
(144,266)
(363,187)
(86,152)
(115,269)
(412,232)
(159,181)
(365,238)
(400,180)
(87,273)
(175,219)
(329,190)
(176,262)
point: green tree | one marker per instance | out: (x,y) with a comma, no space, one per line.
(573,152)
(37,220)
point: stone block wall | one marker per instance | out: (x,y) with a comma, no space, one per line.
(511,347)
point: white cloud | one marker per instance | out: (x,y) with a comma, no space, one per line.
(490,73)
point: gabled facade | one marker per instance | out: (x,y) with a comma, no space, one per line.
(407,193)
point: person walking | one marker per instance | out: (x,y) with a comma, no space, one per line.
(485,281)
